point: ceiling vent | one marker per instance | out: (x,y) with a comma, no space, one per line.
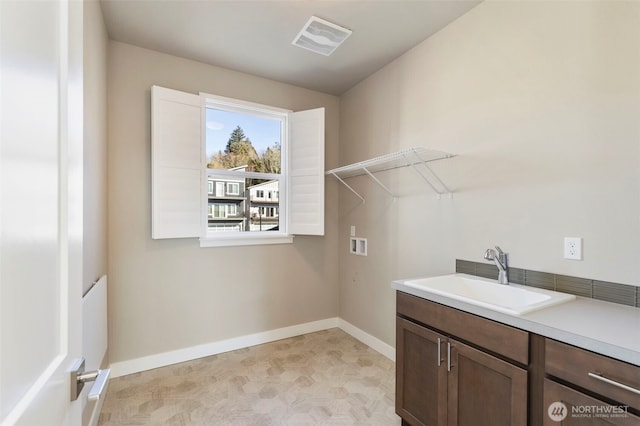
(321,36)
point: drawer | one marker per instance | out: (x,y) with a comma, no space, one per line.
(583,409)
(498,338)
(613,379)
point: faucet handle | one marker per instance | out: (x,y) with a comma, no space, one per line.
(490,254)
(500,252)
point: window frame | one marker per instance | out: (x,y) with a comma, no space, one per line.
(232,184)
(219,211)
(219,188)
(236,238)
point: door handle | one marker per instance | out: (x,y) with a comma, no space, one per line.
(79,377)
(439,356)
(100,379)
(600,377)
(448,356)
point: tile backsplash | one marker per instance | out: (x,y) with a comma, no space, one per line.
(610,292)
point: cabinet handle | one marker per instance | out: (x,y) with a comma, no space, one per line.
(448,356)
(600,377)
(439,356)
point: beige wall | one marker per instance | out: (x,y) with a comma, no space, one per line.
(171,294)
(95,148)
(541,102)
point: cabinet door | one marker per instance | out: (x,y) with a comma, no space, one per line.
(582,410)
(421,376)
(484,390)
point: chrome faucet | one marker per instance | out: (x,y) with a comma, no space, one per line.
(501,260)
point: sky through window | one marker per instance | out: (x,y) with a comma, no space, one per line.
(262,132)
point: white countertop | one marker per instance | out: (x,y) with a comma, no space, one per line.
(607,328)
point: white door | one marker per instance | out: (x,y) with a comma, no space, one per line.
(40,210)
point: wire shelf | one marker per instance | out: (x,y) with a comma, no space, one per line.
(412,157)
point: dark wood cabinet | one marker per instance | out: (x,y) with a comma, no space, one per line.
(484,390)
(421,382)
(455,368)
(595,389)
(579,409)
(442,381)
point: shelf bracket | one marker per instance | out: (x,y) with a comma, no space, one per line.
(426,179)
(378,182)
(350,188)
(447,190)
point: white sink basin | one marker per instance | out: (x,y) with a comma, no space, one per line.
(510,299)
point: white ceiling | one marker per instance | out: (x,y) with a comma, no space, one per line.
(255,36)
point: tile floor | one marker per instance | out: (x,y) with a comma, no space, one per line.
(323,378)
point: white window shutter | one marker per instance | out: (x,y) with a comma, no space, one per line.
(176,150)
(306,172)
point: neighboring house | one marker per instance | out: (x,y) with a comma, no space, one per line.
(226,203)
(264,210)
(235,207)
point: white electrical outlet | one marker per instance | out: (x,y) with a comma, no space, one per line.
(573,248)
(353,230)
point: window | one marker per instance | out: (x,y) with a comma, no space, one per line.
(223,210)
(233,188)
(248,144)
(219,210)
(219,189)
(190,179)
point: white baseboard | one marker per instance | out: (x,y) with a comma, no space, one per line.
(137,365)
(369,340)
(123,368)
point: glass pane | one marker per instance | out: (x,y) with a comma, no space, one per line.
(264,212)
(243,141)
(243,205)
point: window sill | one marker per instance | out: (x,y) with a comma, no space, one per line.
(244,240)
